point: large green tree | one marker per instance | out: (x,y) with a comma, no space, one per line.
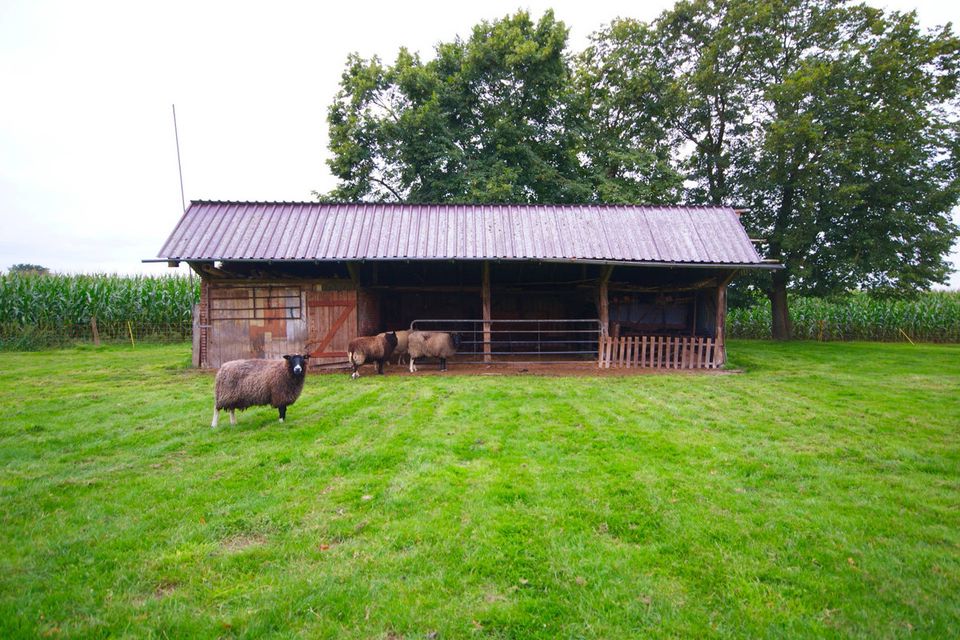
(623,100)
(835,124)
(486,120)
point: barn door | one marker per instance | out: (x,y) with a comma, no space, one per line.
(331,325)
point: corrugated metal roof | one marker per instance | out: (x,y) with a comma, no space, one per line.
(215,230)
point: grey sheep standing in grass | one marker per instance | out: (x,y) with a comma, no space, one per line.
(432,344)
(250,383)
(376,348)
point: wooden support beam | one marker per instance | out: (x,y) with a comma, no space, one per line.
(721,348)
(693,324)
(730,276)
(603,300)
(420,288)
(354,274)
(485,300)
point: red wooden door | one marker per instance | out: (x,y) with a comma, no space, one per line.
(331,325)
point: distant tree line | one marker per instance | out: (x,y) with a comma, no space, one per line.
(24,268)
(834,124)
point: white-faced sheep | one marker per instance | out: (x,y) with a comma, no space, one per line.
(376,348)
(432,344)
(249,383)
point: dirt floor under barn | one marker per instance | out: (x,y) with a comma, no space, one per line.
(564,369)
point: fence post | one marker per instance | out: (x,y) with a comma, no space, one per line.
(93,328)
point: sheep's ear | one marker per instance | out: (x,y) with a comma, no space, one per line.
(306,356)
(286,357)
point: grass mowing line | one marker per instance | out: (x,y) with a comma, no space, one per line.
(814,495)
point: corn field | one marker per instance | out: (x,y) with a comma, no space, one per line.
(932,317)
(52,310)
(69,299)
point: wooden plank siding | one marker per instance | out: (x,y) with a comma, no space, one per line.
(660,352)
(332,324)
(271,319)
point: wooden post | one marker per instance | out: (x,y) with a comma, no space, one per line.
(93,328)
(693,325)
(485,299)
(721,346)
(354,274)
(603,300)
(196,337)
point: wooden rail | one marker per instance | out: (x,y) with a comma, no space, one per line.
(659,352)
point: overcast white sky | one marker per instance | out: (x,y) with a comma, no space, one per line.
(88,168)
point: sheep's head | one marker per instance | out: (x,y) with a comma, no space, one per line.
(391,337)
(297,363)
(456,340)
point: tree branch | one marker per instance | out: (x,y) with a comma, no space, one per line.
(387,187)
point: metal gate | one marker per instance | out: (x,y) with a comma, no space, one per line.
(537,340)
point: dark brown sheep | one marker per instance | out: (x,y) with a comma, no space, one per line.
(249,383)
(376,348)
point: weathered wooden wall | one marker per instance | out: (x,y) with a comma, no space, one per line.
(254,321)
(242,319)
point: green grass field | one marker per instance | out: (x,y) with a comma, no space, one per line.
(815,495)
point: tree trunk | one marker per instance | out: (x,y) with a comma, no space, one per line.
(780,314)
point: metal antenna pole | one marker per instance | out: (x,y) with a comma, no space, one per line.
(176,135)
(183,200)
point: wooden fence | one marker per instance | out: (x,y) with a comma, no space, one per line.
(660,352)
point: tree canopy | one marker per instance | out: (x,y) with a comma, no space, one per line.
(29,269)
(834,124)
(486,120)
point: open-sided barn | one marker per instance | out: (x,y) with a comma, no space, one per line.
(629,285)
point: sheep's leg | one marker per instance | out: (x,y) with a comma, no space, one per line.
(216,416)
(413,367)
(283,411)
(380,367)
(233,417)
(355,373)
(443,364)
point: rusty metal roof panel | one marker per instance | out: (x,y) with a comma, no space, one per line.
(215,230)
